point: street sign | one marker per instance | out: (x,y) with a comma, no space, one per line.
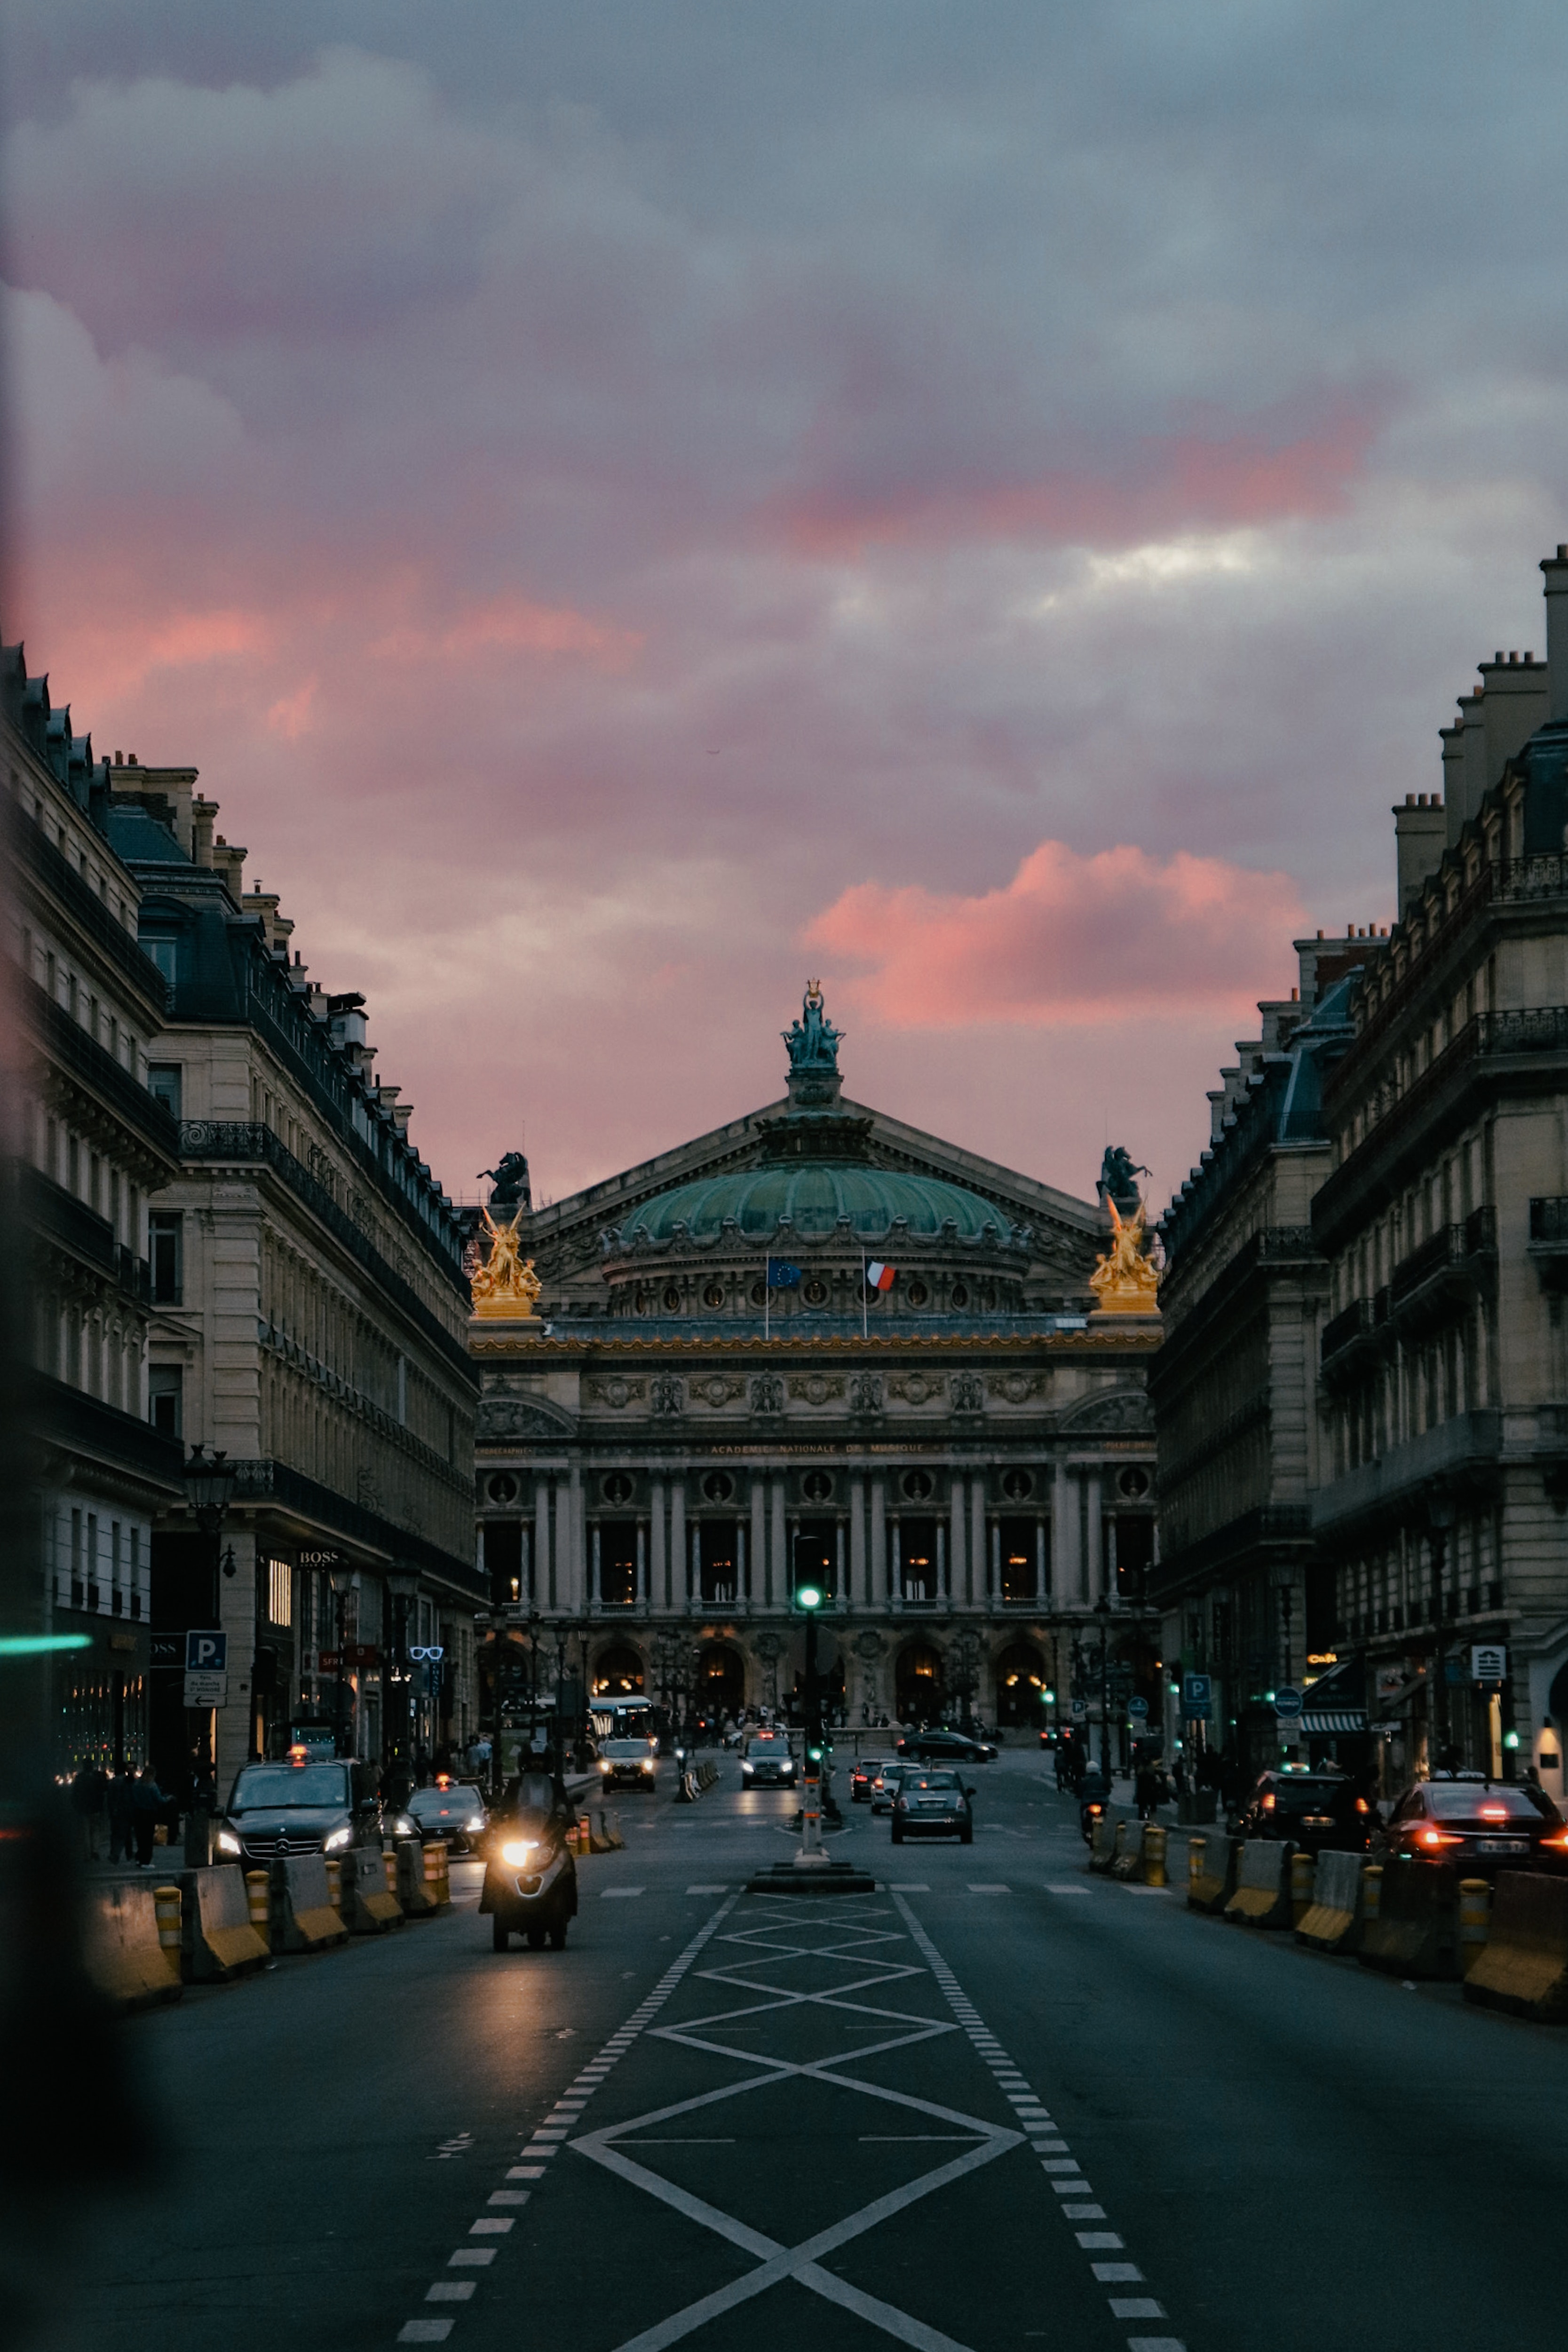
(358,1653)
(1489,1662)
(205,1689)
(207,1653)
(1079,1709)
(1288,1704)
(1138,1707)
(1197,1697)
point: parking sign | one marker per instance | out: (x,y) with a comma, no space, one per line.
(1195,1698)
(207,1653)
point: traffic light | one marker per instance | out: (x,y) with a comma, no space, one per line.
(807,1597)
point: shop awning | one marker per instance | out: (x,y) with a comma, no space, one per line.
(1323,1722)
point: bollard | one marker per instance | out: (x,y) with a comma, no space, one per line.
(388,1866)
(1474,1921)
(1154,1854)
(166,1903)
(1197,1853)
(1302,1871)
(584,1834)
(437,1881)
(256,1895)
(334,1882)
(1371,1893)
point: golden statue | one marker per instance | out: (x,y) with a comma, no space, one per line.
(1124,1280)
(506,1285)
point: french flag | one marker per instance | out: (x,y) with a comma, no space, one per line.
(879,1276)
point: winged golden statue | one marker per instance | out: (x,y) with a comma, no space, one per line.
(506,1286)
(1124,1281)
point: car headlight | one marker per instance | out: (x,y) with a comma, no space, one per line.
(604,1764)
(516,1852)
(336,1843)
(476,1823)
(228,1842)
(403,1826)
(647,1763)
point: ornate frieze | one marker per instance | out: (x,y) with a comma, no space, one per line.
(816,1387)
(617,1393)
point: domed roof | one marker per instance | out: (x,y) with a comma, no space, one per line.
(812,1195)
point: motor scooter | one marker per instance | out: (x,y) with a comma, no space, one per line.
(530,1880)
(1095,1795)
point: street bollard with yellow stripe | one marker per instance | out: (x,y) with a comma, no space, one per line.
(1474,1921)
(166,1904)
(1196,1856)
(258,1897)
(437,1881)
(1302,1872)
(1371,1895)
(334,1882)
(388,1867)
(1154,1854)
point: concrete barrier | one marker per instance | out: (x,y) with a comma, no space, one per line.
(1333,1921)
(1301,1880)
(303,1919)
(367,1907)
(388,1872)
(258,1902)
(1416,1932)
(1128,1859)
(1524,1967)
(607,1837)
(1262,1896)
(1474,1921)
(126,1957)
(1211,1866)
(437,1873)
(1103,1839)
(219,1938)
(419,1900)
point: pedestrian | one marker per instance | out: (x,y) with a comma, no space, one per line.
(147,1801)
(121,1834)
(90,1790)
(420,1764)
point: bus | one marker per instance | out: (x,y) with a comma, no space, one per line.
(623,1718)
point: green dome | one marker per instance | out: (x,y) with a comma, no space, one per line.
(813,1195)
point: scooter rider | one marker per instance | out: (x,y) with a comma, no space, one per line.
(530,1875)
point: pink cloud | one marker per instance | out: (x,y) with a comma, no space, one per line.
(1069,939)
(1159,486)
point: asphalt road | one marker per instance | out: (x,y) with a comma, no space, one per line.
(996,2104)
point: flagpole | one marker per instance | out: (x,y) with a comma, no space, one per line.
(865,1303)
(767,1302)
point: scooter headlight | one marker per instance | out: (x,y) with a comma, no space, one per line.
(516,1852)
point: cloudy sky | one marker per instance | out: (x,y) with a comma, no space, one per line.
(631,502)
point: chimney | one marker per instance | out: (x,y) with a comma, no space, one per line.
(201,814)
(1420,837)
(1555,571)
(1453,742)
(1515,702)
(1472,733)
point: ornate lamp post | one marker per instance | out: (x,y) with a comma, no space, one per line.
(210,1481)
(341,1579)
(1102,1612)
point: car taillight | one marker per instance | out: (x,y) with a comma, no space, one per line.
(1432,1838)
(1559,1841)
(1269,1803)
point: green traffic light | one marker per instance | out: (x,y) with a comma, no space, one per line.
(809,1597)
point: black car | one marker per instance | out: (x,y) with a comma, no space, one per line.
(452,1811)
(305,1805)
(945,1748)
(1313,1809)
(768,1762)
(865,1770)
(933,1804)
(1485,1826)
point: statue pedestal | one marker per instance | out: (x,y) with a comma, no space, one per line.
(502,1320)
(1135,1320)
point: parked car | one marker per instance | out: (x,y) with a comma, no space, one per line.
(768,1762)
(1485,1826)
(1313,1809)
(884,1787)
(865,1771)
(945,1748)
(454,1811)
(304,1805)
(933,1804)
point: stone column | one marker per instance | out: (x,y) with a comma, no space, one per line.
(541,1588)
(579,1545)
(778,1562)
(960,1580)
(740,1564)
(979,1547)
(879,1585)
(860,1591)
(596,1581)
(1042,1560)
(675,1587)
(561,1582)
(895,1563)
(641,1565)
(1093,1542)
(1066,1571)
(756,1577)
(995,1594)
(839,1579)
(694,1567)
(658,1559)
(943,1588)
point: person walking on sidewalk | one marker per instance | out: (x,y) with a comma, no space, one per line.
(147,1802)
(89,1792)
(122,1818)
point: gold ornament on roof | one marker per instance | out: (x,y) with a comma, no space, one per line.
(506,1286)
(1124,1281)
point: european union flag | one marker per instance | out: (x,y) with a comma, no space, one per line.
(782,1276)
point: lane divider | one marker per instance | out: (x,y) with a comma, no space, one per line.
(544,2143)
(1064,2176)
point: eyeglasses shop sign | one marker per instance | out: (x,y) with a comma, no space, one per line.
(1489,1662)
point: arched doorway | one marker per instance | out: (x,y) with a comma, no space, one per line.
(618,1674)
(919,1684)
(1020,1685)
(721,1680)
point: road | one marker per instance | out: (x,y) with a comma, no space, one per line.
(996,2104)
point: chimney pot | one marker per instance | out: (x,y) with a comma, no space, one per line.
(1410,800)
(1514,658)
(1529,656)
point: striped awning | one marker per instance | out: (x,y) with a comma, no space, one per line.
(1326,1721)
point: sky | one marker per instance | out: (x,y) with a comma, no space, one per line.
(631,504)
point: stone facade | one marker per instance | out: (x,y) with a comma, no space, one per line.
(95,1143)
(961,1462)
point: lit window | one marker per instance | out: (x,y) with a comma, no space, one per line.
(280,1593)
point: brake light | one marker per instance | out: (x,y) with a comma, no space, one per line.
(1096,1808)
(1493,1813)
(1432,1838)
(1559,1841)
(1268,1802)
(1362,1806)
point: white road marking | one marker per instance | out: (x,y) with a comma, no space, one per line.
(1090,2240)
(424,2331)
(1135,2306)
(908,1887)
(618,1894)
(1051,1888)
(990,1890)
(449,2290)
(525,2172)
(470,2258)
(1155,2343)
(707,1890)
(508,2197)
(489,2226)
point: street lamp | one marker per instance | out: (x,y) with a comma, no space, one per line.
(342,1578)
(808,1599)
(1103,1611)
(405,1591)
(209,1481)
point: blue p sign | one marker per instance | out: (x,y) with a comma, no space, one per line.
(207,1653)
